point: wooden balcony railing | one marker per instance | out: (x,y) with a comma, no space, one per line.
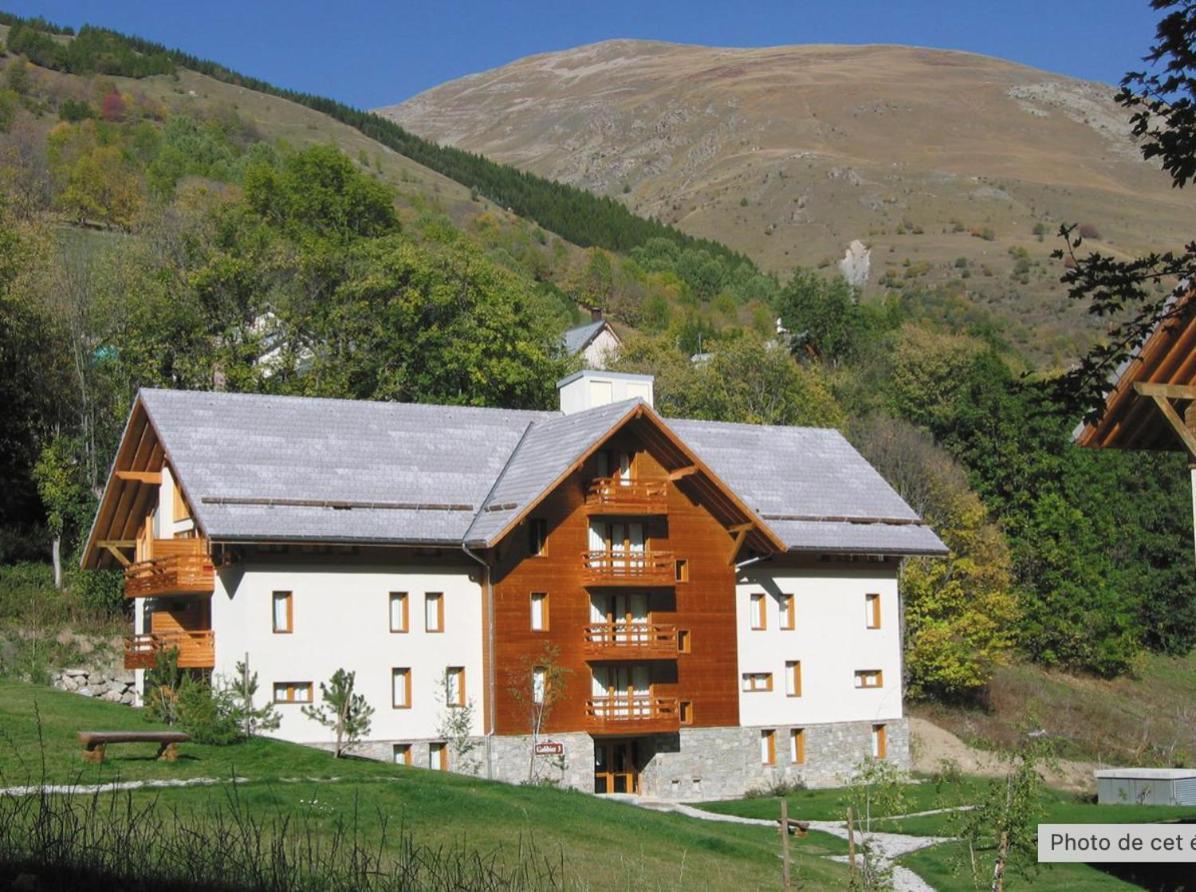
(631,641)
(615,495)
(186,572)
(626,567)
(632,714)
(197,649)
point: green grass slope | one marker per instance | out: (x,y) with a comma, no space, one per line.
(603,844)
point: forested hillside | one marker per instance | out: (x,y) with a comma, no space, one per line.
(166,223)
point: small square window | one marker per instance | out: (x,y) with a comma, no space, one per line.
(539,602)
(434,612)
(869,678)
(402,754)
(686,712)
(756,682)
(683,641)
(283,613)
(537,536)
(292,692)
(400,618)
(681,571)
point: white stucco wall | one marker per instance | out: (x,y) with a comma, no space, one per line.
(603,349)
(341,620)
(831,639)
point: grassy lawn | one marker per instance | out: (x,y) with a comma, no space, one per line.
(936,865)
(603,844)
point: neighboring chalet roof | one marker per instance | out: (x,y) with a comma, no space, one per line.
(577,339)
(260,468)
(811,486)
(1134,416)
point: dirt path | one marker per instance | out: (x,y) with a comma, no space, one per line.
(932,744)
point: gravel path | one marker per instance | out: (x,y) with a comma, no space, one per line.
(888,846)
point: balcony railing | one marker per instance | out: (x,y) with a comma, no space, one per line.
(197,649)
(615,495)
(184,573)
(632,714)
(628,567)
(631,641)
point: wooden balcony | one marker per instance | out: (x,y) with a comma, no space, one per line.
(186,570)
(615,495)
(638,714)
(631,641)
(625,567)
(197,649)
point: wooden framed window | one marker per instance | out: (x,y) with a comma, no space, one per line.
(454,686)
(537,536)
(400,615)
(768,747)
(402,754)
(292,692)
(757,681)
(880,742)
(539,603)
(793,678)
(438,756)
(539,684)
(400,688)
(872,611)
(434,612)
(681,570)
(758,612)
(282,613)
(869,678)
(797,746)
(683,641)
(685,711)
(788,613)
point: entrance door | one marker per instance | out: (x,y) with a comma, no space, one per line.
(615,767)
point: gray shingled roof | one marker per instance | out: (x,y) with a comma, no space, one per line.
(577,339)
(258,468)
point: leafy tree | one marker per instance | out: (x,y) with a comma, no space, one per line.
(874,787)
(99,186)
(455,727)
(537,686)
(65,493)
(342,710)
(961,611)
(821,315)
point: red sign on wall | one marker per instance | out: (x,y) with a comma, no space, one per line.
(549,748)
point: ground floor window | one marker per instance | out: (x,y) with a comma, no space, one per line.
(768,747)
(797,746)
(880,743)
(438,757)
(402,754)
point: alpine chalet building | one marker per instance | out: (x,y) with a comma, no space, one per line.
(714,605)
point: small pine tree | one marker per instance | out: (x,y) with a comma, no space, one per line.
(346,712)
(250,719)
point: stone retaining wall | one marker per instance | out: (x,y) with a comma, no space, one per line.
(113,686)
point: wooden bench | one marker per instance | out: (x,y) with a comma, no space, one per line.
(795,828)
(94,742)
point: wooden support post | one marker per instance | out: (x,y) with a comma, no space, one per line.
(785,882)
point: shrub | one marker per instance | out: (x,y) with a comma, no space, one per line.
(74,110)
(206,713)
(1087,230)
(100,591)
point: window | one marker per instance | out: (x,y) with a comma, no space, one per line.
(880,742)
(434,612)
(756,610)
(537,536)
(402,754)
(872,611)
(757,681)
(797,746)
(454,686)
(793,678)
(681,571)
(788,613)
(539,611)
(869,678)
(400,618)
(686,712)
(539,683)
(683,641)
(400,686)
(768,747)
(438,757)
(292,692)
(283,613)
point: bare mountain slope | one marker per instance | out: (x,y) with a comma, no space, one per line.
(790,153)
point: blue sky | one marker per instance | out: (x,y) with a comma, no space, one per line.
(371,54)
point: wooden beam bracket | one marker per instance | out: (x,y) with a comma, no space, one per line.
(682,472)
(151,477)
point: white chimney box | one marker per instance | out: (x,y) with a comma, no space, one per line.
(589,389)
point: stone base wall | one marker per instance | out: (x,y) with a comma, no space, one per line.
(103,684)
(692,765)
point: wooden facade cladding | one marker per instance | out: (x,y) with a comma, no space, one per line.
(703,605)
